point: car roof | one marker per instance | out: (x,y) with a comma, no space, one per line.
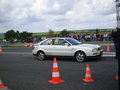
(59,38)
(55,38)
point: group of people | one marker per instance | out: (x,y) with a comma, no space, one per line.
(83,37)
(93,37)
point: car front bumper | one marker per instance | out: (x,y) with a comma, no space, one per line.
(99,53)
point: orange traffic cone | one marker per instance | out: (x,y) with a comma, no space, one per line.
(117,78)
(108,48)
(25,44)
(1,85)
(1,49)
(31,45)
(88,77)
(55,74)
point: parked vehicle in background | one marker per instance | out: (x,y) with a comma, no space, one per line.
(66,47)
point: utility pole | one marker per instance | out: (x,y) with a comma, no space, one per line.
(118,14)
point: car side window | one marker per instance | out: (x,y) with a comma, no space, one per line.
(48,42)
(55,41)
(59,42)
(62,42)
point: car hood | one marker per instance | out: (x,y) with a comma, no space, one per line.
(90,45)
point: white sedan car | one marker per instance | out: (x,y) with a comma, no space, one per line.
(66,47)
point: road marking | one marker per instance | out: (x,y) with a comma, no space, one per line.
(108,55)
(109,52)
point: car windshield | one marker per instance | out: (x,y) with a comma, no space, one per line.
(73,41)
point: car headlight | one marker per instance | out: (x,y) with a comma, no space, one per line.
(94,50)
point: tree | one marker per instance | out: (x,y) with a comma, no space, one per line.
(17,35)
(97,31)
(24,35)
(51,33)
(64,32)
(10,35)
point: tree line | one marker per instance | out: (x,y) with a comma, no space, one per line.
(12,35)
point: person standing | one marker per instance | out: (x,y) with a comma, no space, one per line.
(118,52)
(113,35)
(116,38)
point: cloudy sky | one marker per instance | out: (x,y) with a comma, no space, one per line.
(42,15)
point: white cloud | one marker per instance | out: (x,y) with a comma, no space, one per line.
(42,15)
(19,13)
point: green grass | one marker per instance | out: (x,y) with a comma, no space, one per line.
(44,33)
(40,34)
(17,45)
(90,31)
(2,37)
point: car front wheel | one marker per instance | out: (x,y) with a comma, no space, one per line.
(80,56)
(40,56)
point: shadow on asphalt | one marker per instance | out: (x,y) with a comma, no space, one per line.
(71,59)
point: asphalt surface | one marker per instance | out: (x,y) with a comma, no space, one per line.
(20,70)
(16,49)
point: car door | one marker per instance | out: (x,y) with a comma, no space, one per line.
(62,48)
(47,47)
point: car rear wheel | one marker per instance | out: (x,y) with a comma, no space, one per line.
(40,55)
(80,56)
